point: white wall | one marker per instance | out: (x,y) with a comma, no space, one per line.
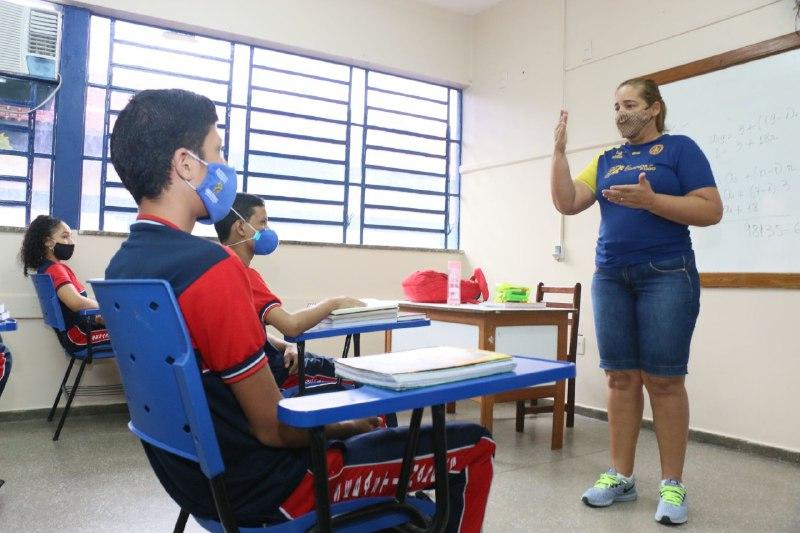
(744,364)
(401,36)
(393,35)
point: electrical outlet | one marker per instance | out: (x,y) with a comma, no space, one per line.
(581,345)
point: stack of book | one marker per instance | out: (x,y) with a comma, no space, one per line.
(371,313)
(423,367)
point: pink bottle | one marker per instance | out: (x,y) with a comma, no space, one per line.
(453,282)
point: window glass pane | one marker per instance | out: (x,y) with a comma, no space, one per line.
(404,199)
(292,231)
(298,105)
(408,181)
(298,126)
(139,80)
(356,143)
(12,216)
(90,195)
(13,138)
(405,239)
(404,85)
(407,104)
(357,96)
(394,121)
(14,165)
(14,191)
(301,147)
(45,120)
(294,63)
(388,217)
(241,73)
(453,223)
(139,56)
(171,40)
(406,142)
(419,163)
(94,122)
(119,197)
(237,136)
(354,215)
(299,84)
(304,211)
(116,221)
(40,193)
(455,175)
(295,189)
(99,32)
(111,174)
(295,167)
(455,114)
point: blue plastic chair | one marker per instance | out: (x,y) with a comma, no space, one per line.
(53,317)
(168,405)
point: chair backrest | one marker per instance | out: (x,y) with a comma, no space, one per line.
(48,300)
(575,293)
(159,370)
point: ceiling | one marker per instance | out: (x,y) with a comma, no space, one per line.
(468,7)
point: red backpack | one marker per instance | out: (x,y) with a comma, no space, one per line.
(430,286)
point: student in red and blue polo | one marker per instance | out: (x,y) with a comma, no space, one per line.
(47,243)
(166,149)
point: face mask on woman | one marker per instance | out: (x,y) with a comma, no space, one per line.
(63,251)
(631,123)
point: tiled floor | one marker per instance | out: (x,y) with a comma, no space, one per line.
(96,478)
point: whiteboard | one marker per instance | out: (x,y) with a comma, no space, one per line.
(746,118)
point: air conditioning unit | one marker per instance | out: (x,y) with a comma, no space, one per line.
(30,41)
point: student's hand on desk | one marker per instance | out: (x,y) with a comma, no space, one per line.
(638,196)
(365,425)
(290,358)
(345,302)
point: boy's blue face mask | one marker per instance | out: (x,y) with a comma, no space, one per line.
(217,190)
(265,240)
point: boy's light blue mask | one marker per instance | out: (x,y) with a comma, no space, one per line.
(217,191)
(266,240)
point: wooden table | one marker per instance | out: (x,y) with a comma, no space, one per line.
(539,332)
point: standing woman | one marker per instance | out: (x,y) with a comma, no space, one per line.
(646,289)
(46,245)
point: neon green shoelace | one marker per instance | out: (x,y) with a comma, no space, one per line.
(607,480)
(673,494)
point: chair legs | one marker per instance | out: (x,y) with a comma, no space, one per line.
(571,402)
(60,390)
(180,525)
(70,398)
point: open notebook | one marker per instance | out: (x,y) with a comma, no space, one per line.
(423,367)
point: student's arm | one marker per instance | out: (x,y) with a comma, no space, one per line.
(569,197)
(258,395)
(73,299)
(293,324)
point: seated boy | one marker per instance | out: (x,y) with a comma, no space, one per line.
(166,149)
(238,230)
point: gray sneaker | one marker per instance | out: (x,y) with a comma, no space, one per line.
(610,488)
(673,508)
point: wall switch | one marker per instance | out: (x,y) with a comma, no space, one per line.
(587,50)
(581,348)
(558,252)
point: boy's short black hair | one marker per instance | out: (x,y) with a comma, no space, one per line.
(147,132)
(244,204)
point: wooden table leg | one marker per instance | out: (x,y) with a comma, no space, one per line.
(557,439)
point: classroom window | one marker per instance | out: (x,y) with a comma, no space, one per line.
(340,154)
(26,155)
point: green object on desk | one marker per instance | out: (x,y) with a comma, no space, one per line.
(505,292)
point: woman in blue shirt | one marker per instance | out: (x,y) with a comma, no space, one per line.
(646,289)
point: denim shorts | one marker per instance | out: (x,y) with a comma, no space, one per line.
(645,315)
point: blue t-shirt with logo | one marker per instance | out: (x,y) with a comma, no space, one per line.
(674,165)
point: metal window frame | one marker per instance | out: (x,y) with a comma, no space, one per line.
(346,183)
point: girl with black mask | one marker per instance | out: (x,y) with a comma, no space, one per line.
(47,244)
